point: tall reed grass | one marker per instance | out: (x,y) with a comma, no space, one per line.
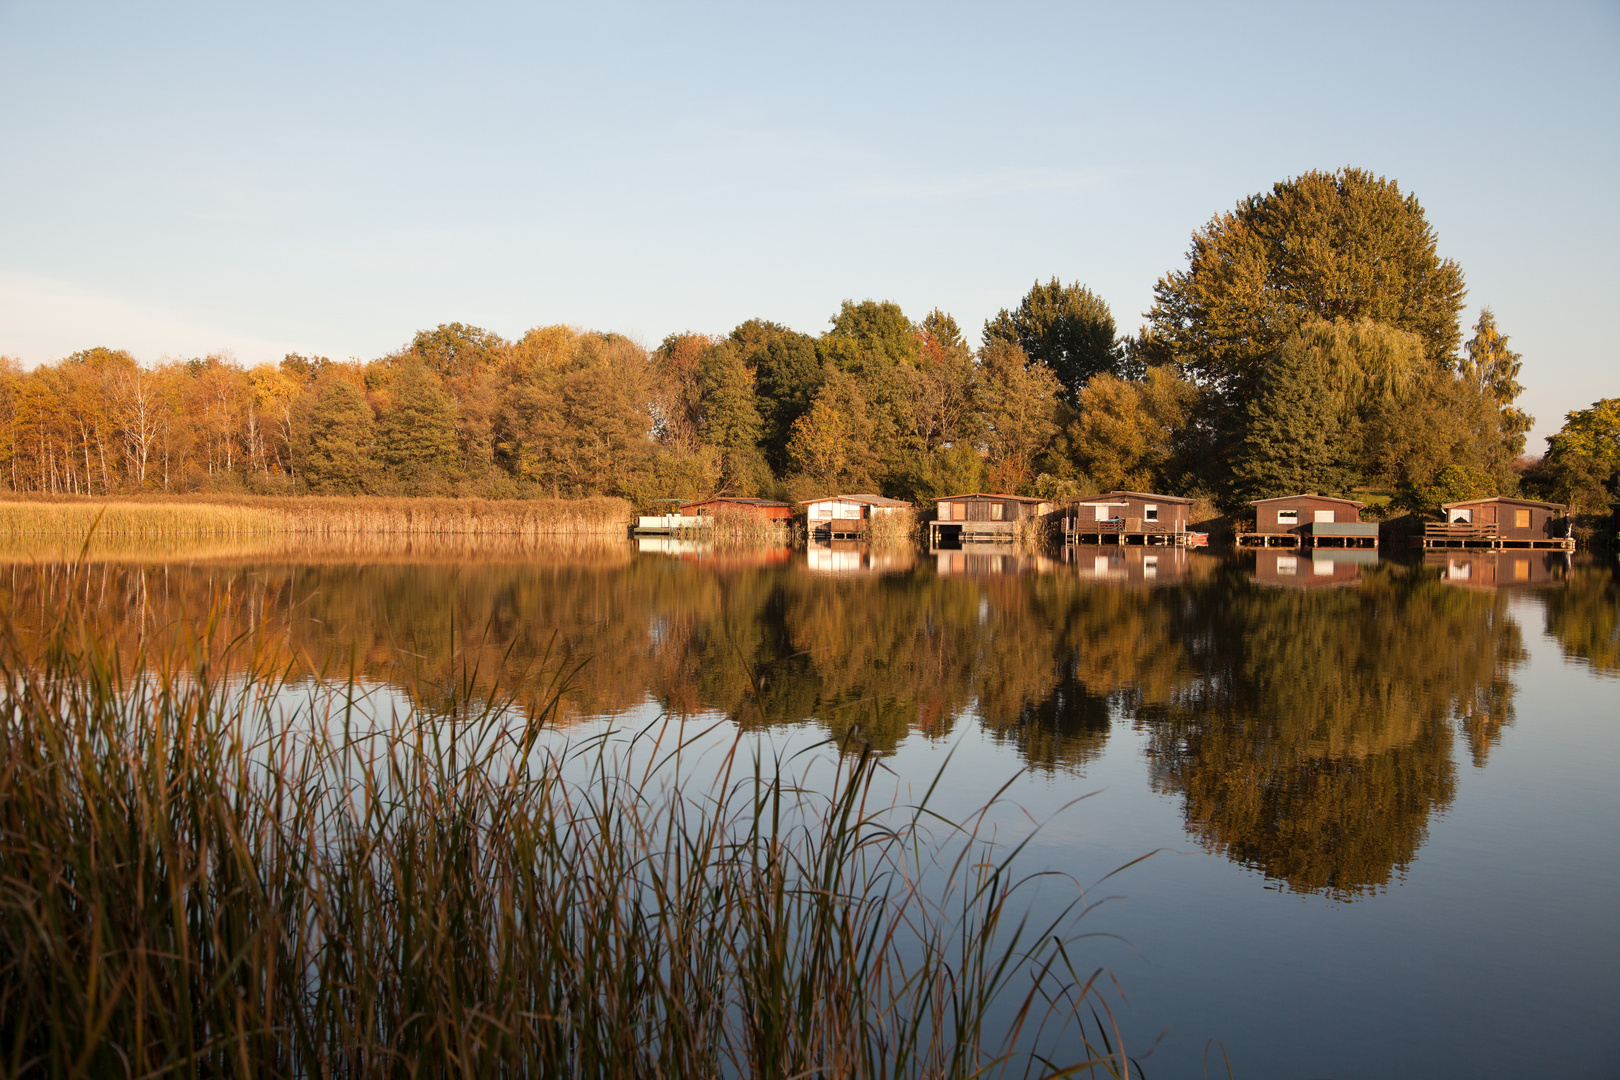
(730,527)
(211,876)
(896,526)
(238,516)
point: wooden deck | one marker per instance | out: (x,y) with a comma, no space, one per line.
(839,529)
(1258,539)
(1464,534)
(972,532)
(1118,531)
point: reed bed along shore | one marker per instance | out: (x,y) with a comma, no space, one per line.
(894,527)
(202,876)
(570,549)
(311,515)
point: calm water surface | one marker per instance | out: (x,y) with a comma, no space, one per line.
(1381,794)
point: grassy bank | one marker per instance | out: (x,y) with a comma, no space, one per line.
(243,516)
(209,877)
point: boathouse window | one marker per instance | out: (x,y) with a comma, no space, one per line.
(1151,513)
(998,511)
(1288,517)
(1324,517)
(1465,517)
(1521,519)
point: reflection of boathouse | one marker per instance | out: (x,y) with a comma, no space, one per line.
(979,517)
(847,517)
(1500,522)
(984,560)
(849,557)
(1316,569)
(1128,565)
(1128,517)
(1498,569)
(1316,520)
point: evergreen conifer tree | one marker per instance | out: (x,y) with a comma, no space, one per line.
(336,439)
(1292,443)
(1495,368)
(416,434)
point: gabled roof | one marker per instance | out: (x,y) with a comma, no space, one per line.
(867,500)
(1505,499)
(989,495)
(1134,495)
(1308,495)
(735,499)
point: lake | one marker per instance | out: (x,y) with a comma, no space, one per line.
(1379,794)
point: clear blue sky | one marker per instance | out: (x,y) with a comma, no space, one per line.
(328,178)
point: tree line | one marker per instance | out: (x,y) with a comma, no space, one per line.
(1312,342)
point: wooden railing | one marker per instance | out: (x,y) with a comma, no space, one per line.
(1460,530)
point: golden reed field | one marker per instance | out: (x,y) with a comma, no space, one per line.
(213,517)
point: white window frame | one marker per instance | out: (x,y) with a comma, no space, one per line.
(1288,517)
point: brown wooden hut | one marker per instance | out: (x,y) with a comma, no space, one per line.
(1128,517)
(1500,521)
(769,509)
(847,516)
(980,516)
(1295,520)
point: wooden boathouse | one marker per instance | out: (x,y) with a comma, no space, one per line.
(1501,522)
(979,517)
(1310,519)
(1129,517)
(847,517)
(698,515)
(768,509)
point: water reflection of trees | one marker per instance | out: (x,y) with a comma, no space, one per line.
(1584,618)
(1316,735)
(1308,733)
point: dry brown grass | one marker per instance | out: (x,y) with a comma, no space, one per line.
(231,517)
(894,527)
(307,548)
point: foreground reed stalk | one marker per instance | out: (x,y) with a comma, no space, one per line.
(250,876)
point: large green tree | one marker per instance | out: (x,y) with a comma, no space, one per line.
(1127,434)
(1293,442)
(455,349)
(869,338)
(1491,365)
(416,430)
(788,373)
(1340,245)
(1066,327)
(336,436)
(1582,466)
(729,420)
(1019,403)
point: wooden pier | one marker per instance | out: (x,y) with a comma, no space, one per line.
(1119,531)
(1448,534)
